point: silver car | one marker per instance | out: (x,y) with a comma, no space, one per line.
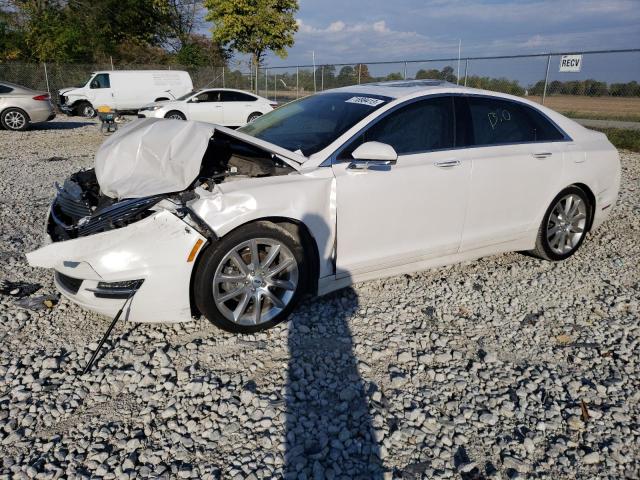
(22,106)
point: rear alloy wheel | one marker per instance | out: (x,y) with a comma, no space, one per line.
(564,226)
(253,116)
(251,279)
(14,119)
(175,115)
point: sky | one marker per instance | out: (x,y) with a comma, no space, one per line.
(380,30)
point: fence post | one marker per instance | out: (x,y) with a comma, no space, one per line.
(546,79)
(359,70)
(111,59)
(266,84)
(275,87)
(466,68)
(322,78)
(405,70)
(223,86)
(297,81)
(46,77)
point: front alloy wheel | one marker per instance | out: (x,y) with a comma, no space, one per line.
(251,279)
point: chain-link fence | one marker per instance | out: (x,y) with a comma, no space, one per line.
(606,85)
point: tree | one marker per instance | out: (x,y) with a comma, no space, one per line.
(253,26)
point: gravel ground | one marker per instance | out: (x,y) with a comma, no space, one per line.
(502,368)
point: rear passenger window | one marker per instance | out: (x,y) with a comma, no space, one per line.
(418,127)
(5,89)
(237,97)
(497,121)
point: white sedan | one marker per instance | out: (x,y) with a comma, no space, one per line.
(349,185)
(223,106)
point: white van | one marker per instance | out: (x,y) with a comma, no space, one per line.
(124,90)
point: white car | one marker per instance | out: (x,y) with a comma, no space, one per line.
(223,106)
(348,185)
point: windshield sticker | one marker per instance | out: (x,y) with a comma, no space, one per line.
(372,102)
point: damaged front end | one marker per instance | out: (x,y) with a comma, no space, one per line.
(79,209)
(129,220)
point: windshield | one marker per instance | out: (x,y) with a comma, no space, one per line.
(312,123)
(187,95)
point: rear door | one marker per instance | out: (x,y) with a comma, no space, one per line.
(237,107)
(517,158)
(206,107)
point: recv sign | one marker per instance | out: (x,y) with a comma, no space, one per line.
(571,63)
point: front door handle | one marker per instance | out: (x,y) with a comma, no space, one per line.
(447,163)
(542,155)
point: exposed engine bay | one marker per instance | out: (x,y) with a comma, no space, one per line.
(82,208)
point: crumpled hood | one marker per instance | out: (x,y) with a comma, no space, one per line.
(151,156)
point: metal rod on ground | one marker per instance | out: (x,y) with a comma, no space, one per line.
(46,77)
(107,333)
(546,79)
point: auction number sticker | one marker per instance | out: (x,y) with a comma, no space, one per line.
(372,102)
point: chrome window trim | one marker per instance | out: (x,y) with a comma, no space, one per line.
(333,158)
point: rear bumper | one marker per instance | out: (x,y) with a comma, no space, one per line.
(154,250)
(42,114)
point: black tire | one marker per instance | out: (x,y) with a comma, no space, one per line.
(253,116)
(176,115)
(14,119)
(212,257)
(85,109)
(543,248)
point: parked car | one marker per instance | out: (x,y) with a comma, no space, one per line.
(124,90)
(224,106)
(22,106)
(344,186)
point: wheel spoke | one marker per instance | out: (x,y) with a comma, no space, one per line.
(232,294)
(551,232)
(257,307)
(239,263)
(274,299)
(567,204)
(242,306)
(255,257)
(576,229)
(281,267)
(284,284)
(271,256)
(227,278)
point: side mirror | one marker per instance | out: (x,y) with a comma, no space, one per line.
(373,154)
(194,100)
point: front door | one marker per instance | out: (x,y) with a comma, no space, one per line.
(207,107)
(409,211)
(100,91)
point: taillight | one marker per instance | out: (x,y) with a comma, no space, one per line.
(44,97)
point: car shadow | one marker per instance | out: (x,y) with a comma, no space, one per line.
(329,428)
(53,125)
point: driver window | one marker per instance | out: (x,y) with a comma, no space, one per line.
(101,81)
(421,126)
(204,97)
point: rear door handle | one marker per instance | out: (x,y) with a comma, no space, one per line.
(542,155)
(447,163)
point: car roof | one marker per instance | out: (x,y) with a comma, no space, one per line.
(398,88)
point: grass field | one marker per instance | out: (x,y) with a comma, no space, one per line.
(604,108)
(622,138)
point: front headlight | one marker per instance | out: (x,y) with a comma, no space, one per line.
(151,109)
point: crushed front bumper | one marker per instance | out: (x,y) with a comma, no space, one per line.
(154,250)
